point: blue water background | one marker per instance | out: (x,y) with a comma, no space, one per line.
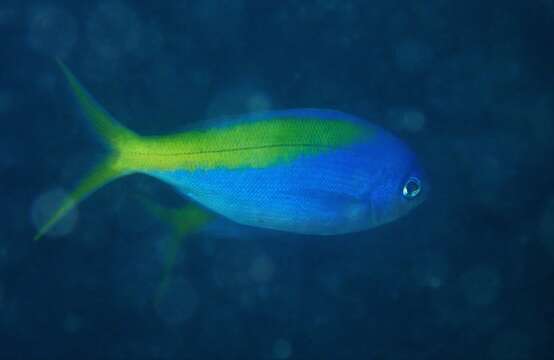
(468,275)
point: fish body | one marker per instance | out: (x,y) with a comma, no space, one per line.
(308,171)
(316,186)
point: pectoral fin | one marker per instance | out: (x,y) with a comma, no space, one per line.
(183,222)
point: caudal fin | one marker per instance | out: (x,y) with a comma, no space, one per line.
(114,135)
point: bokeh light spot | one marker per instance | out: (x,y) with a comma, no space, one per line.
(6,101)
(7,15)
(282,349)
(546,227)
(113,30)
(481,285)
(44,206)
(262,269)
(179,303)
(51,30)
(430,269)
(412,56)
(240,100)
(511,344)
(72,323)
(258,102)
(406,119)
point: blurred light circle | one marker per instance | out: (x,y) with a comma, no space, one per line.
(511,344)
(412,56)
(481,285)
(2,295)
(240,100)
(7,15)
(46,82)
(412,120)
(100,69)
(282,349)
(72,323)
(262,269)
(114,29)
(179,303)
(406,119)
(430,269)
(546,227)
(6,101)
(258,102)
(44,206)
(51,30)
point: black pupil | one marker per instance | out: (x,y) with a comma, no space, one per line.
(412,186)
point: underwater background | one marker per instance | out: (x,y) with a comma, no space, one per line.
(468,275)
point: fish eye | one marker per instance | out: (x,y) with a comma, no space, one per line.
(412,188)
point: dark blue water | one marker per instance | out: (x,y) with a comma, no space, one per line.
(468,275)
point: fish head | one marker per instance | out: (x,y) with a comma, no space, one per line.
(397,182)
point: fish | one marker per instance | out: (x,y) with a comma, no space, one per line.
(306,171)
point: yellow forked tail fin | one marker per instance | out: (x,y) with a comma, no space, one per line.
(116,137)
(99,176)
(114,134)
(183,222)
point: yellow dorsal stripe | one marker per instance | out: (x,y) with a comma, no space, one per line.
(249,144)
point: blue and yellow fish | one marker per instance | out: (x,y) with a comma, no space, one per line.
(308,171)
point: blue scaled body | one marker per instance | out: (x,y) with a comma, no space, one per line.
(345,189)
